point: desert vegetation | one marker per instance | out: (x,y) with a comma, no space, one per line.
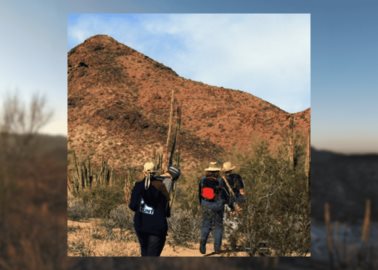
(32,177)
(275,219)
(348,251)
(33,217)
(278,201)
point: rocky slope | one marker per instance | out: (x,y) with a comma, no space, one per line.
(118,107)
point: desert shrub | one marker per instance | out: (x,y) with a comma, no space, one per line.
(98,186)
(122,216)
(184,227)
(103,199)
(184,223)
(277,208)
(100,200)
(77,210)
(109,225)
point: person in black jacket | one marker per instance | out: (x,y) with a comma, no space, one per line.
(150,202)
(235,181)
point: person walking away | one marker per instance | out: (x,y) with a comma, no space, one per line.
(150,202)
(233,219)
(212,198)
(235,181)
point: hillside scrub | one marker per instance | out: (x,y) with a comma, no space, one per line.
(278,204)
(32,184)
(276,214)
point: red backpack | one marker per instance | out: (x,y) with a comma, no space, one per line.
(210,187)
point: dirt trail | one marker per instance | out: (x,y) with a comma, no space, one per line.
(92,238)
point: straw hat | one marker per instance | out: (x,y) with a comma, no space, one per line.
(228,166)
(212,167)
(149,167)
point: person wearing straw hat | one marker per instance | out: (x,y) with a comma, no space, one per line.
(212,198)
(235,181)
(236,186)
(150,202)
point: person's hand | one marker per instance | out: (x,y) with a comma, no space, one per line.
(238,209)
(166,175)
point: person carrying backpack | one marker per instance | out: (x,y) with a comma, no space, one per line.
(236,184)
(235,181)
(150,202)
(212,198)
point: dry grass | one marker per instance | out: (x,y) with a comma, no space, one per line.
(94,237)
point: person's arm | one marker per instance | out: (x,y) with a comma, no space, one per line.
(168,211)
(241,198)
(135,197)
(241,185)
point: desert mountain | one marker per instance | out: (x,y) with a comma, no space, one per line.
(118,109)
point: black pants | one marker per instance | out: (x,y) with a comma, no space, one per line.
(151,245)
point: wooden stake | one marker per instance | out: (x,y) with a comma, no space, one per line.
(291,141)
(327,220)
(366,225)
(308,160)
(168,142)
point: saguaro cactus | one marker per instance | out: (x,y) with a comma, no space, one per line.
(84,176)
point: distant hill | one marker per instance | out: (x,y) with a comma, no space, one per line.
(118,106)
(345,181)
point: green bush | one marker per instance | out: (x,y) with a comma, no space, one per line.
(184,227)
(76,209)
(100,200)
(278,206)
(122,216)
(184,223)
(276,213)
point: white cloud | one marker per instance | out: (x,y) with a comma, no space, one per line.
(267,55)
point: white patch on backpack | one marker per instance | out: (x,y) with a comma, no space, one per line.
(145,208)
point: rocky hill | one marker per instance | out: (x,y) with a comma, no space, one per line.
(118,109)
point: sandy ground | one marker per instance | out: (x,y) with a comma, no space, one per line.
(92,238)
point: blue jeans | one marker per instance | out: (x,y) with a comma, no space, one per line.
(212,219)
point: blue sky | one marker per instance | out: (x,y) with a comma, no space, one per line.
(267,55)
(344,57)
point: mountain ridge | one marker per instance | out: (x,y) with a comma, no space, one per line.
(120,97)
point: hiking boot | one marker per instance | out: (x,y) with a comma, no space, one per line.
(203,247)
(217,250)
